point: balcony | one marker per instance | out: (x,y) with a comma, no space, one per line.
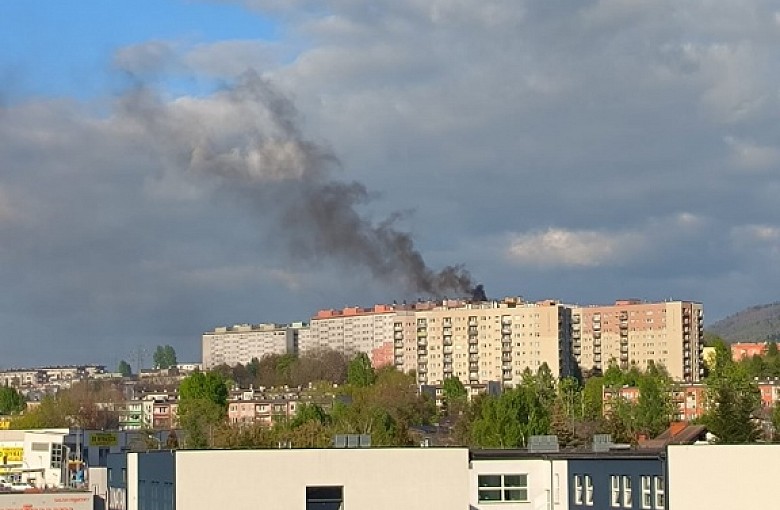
(447,358)
(506,375)
(473,330)
(577,351)
(473,340)
(447,368)
(399,345)
(447,350)
(575,319)
(474,367)
(422,342)
(473,357)
(422,333)
(506,320)
(473,349)
(506,366)
(623,357)
(506,331)
(506,357)
(398,335)
(422,369)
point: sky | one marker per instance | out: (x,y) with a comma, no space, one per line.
(171,166)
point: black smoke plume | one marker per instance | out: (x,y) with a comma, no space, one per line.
(248,136)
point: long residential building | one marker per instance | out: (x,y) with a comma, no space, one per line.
(242,342)
(353,330)
(636,333)
(485,341)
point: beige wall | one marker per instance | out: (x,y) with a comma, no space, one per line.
(723,477)
(639,333)
(376,479)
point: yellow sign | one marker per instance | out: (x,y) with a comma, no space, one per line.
(11,454)
(5,423)
(103,439)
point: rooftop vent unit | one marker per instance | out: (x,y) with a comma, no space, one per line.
(543,444)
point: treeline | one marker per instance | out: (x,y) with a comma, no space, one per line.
(384,403)
(82,405)
(276,370)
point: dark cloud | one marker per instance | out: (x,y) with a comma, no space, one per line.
(577,150)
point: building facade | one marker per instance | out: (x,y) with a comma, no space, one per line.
(242,342)
(487,341)
(321,479)
(635,333)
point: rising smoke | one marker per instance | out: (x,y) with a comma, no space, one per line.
(248,136)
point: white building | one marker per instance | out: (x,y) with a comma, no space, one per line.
(242,342)
(363,478)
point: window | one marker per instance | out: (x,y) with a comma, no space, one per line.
(502,487)
(325,498)
(614,499)
(646,493)
(660,493)
(628,500)
(588,490)
(577,490)
(56,455)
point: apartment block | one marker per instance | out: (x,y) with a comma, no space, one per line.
(242,342)
(354,330)
(635,333)
(743,350)
(485,341)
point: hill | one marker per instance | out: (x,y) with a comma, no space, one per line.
(754,324)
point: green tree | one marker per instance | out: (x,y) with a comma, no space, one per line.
(453,388)
(592,399)
(654,409)
(507,421)
(360,373)
(202,406)
(11,401)
(164,357)
(124,368)
(732,400)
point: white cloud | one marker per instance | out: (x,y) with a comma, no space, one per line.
(567,248)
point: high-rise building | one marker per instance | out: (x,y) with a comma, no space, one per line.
(242,342)
(484,341)
(353,330)
(635,333)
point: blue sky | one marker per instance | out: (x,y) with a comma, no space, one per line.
(280,157)
(66,48)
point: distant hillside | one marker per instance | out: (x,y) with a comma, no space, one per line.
(755,324)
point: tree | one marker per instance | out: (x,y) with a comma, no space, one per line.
(732,400)
(360,373)
(731,406)
(11,401)
(453,388)
(592,399)
(654,409)
(124,368)
(164,357)
(507,421)
(202,406)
